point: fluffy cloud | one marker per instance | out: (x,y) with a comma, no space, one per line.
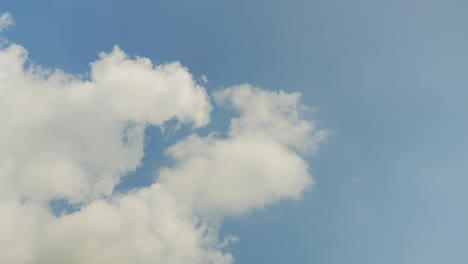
(255,165)
(64,136)
(144,227)
(69,137)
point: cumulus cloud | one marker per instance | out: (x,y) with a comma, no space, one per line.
(255,165)
(64,136)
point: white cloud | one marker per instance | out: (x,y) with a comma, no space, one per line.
(6,20)
(63,136)
(144,227)
(255,165)
(277,115)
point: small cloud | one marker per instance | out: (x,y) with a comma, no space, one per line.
(6,20)
(227,241)
(203,79)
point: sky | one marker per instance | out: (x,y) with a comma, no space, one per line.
(252,132)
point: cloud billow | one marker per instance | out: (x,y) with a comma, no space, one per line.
(66,137)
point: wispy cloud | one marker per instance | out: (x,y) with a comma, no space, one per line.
(6,20)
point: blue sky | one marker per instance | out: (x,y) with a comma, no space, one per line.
(388,79)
